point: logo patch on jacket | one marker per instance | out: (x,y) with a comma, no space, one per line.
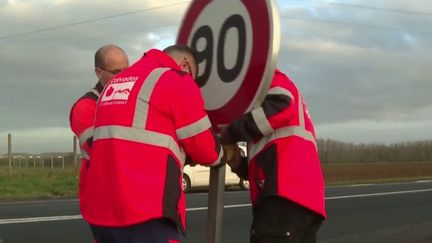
(118,89)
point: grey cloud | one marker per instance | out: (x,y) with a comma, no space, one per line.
(346,73)
(387,30)
(3,3)
(338,89)
(42,86)
(362,74)
(42,76)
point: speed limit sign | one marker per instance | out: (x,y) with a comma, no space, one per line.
(237,44)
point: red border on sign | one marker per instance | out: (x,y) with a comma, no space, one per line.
(241,101)
(192,14)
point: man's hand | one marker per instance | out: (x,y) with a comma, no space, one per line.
(224,136)
(235,159)
(228,152)
(190,162)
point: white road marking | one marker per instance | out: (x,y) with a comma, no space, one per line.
(378,194)
(196,209)
(75,217)
(38,201)
(357,185)
(39,219)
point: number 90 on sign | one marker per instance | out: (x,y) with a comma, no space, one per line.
(236,46)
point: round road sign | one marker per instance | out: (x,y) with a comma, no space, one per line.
(237,43)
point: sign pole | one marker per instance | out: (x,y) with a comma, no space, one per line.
(10,153)
(215,204)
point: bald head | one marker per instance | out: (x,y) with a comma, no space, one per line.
(184,57)
(101,54)
(109,61)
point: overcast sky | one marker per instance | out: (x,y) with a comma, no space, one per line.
(364,67)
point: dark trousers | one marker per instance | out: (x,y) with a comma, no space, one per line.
(153,231)
(277,220)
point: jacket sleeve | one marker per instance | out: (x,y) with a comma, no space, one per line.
(278,107)
(81,123)
(193,127)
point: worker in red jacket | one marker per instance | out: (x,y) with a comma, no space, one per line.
(148,118)
(109,61)
(283,166)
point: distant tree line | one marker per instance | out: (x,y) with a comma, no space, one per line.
(337,151)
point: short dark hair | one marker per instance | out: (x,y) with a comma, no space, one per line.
(183,49)
(101,52)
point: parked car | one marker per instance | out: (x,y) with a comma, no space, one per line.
(198,175)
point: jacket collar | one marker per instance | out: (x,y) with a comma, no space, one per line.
(163,59)
(98,87)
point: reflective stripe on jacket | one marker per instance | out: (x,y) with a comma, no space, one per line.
(147,119)
(283,157)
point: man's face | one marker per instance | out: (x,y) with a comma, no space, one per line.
(115,62)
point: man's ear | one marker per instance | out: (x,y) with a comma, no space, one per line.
(98,73)
(184,63)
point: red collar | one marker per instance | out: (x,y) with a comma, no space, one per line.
(162,58)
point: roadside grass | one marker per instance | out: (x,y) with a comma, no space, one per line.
(48,183)
(358,173)
(379,181)
(37,183)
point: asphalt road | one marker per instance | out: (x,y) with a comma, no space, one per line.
(368,213)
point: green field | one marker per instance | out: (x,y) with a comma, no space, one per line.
(37,183)
(347,173)
(43,183)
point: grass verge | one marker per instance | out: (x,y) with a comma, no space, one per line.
(37,183)
(44,183)
(356,173)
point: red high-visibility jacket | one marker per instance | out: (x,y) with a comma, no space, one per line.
(81,120)
(282,152)
(147,119)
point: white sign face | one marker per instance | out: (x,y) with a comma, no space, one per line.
(236,42)
(234,39)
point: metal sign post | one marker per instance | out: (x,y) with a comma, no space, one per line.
(215,204)
(237,43)
(10,153)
